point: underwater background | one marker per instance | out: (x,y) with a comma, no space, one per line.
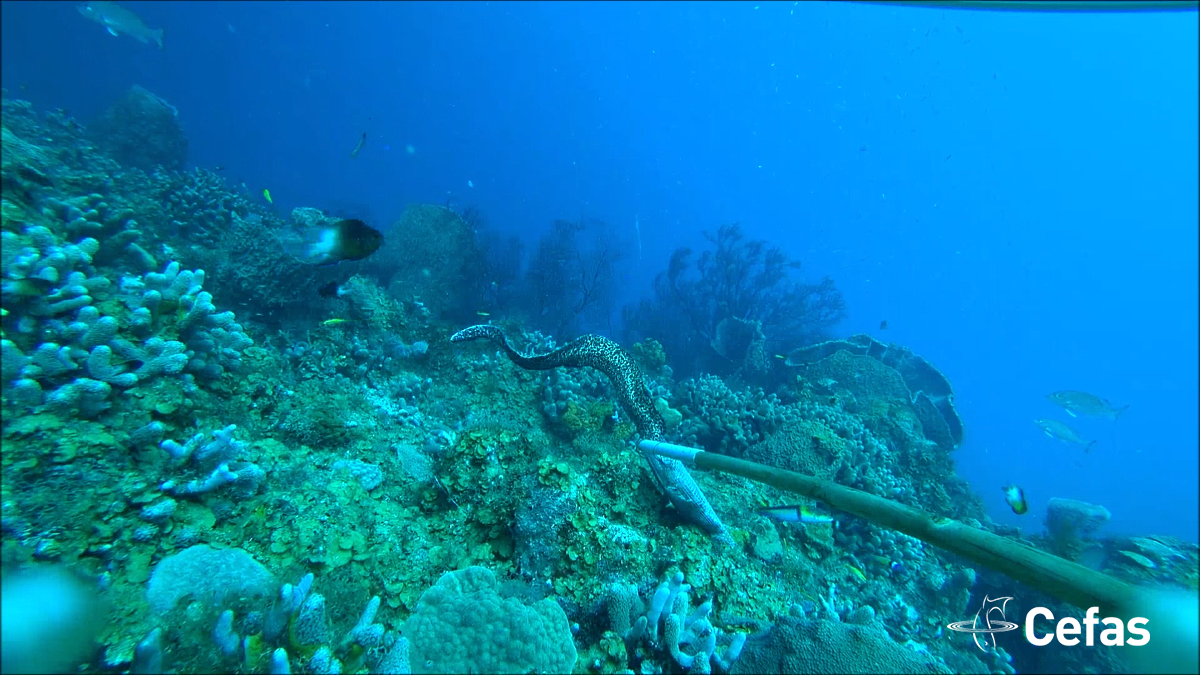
(196,417)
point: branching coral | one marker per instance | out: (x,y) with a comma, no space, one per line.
(571,279)
(80,335)
(670,628)
(739,280)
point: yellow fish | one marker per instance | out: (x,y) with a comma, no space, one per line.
(332,322)
(857,572)
(267,196)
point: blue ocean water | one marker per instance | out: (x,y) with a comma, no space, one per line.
(1013,193)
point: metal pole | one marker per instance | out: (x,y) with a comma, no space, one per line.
(1055,576)
(1039,6)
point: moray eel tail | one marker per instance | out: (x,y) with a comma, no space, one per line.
(588,350)
(627,379)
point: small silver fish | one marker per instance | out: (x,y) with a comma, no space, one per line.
(117,20)
(1083,403)
(795,514)
(1061,432)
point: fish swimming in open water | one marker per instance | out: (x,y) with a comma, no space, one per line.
(1082,403)
(117,20)
(1061,432)
(361,142)
(1015,496)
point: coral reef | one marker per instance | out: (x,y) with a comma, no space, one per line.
(822,646)
(75,321)
(463,625)
(670,628)
(200,208)
(630,388)
(254,265)
(265,478)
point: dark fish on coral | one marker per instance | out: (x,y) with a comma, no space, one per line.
(349,239)
(1015,497)
(118,20)
(25,288)
(361,142)
(883,325)
(332,289)
(1061,432)
(1082,403)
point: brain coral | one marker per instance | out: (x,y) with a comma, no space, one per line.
(206,573)
(462,625)
(805,646)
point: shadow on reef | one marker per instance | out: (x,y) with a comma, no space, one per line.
(260,475)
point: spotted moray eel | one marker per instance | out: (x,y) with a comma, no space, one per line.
(608,357)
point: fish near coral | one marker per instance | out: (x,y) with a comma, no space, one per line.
(333,289)
(856,573)
(118,20)
(795,514)
(1082,403)
(349,239)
